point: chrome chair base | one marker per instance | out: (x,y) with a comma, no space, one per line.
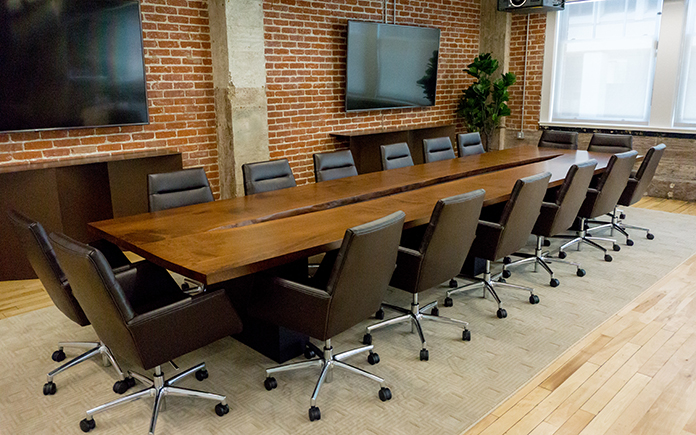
(327,361)
(94,349)
(489,284)
(583,238)
(414,316)
(159,389)
(617,224)
(540,258)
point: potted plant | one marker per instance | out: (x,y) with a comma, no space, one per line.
(483,104)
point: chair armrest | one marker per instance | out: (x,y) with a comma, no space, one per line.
(407,272)
(546,219)
(588,204)
(487,239)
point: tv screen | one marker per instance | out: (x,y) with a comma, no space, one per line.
(390,66)
(71,63)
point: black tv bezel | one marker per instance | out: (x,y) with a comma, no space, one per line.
(82,127)
(345,95)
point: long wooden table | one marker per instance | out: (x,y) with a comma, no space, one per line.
(227,239)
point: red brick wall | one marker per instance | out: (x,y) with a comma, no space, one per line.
(305,63)
(179,71)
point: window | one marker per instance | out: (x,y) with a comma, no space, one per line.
(686,109)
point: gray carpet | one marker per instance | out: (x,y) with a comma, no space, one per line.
(461,383)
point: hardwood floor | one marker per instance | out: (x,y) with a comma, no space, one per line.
(635,374)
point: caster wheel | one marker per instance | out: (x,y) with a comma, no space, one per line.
(607,258)
(622,216)
(449,302)
(616,247)
(367,339)
(534,299)
(202,374)
(453,282)
(629,242)
(547,242)
(501,279)
(507,260)
(221,409)
(58,355)
(379,315)
(373,358)
(501,313)
(650,236)
(435,311)
(466,335)
(581,272)
(121,387)
(309,353)
(270,383)
(384,394)
(314,413)
(554,282)
(87,425)
(49,389)
(562,255)
(506,273)
(424,355)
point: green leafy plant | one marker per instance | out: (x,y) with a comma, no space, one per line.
(483,104)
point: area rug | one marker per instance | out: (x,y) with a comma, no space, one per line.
(461,382)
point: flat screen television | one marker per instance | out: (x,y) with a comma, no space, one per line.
(70,64)
(390,66)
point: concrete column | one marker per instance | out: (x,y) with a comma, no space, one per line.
(239,77)
(494,38)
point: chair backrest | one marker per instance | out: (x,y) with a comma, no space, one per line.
(396,155)
(436,149)
(469,144)
(42,258)
(559,139)
(521,212)
(177,189)
(610,143)
(330,166)
(266,176)
(362,270)
(571,195)
(448,238)
(637,185)
(99,294)
(610,185)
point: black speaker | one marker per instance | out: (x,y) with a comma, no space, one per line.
(530,6)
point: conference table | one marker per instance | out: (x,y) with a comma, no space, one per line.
(222,240)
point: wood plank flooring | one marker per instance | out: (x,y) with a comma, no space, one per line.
(635,374)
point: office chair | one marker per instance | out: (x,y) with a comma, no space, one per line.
(436,149)
(396,155)
(337,164)
(145,319)
(177,189)
(267,176)
(43,260)
(601,199)
(559,139)
(469,144)
(556,216)
(505,231)
(610,143)
(347,289)
(438,257)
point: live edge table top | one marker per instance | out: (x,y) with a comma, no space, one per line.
(226,239)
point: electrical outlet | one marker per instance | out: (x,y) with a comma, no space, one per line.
(520,135)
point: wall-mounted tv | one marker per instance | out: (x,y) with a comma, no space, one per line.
(70,64)
(390,66)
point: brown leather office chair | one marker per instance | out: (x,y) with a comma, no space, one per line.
(337,164)
(396,155)
(436,149)
(601,199)
(439,256)
(43,260)
(267,176)
(145,319)
(559,139)
(557,215)
(469,144)
(177,189)
(505,235)
(610,143)
(353,290)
